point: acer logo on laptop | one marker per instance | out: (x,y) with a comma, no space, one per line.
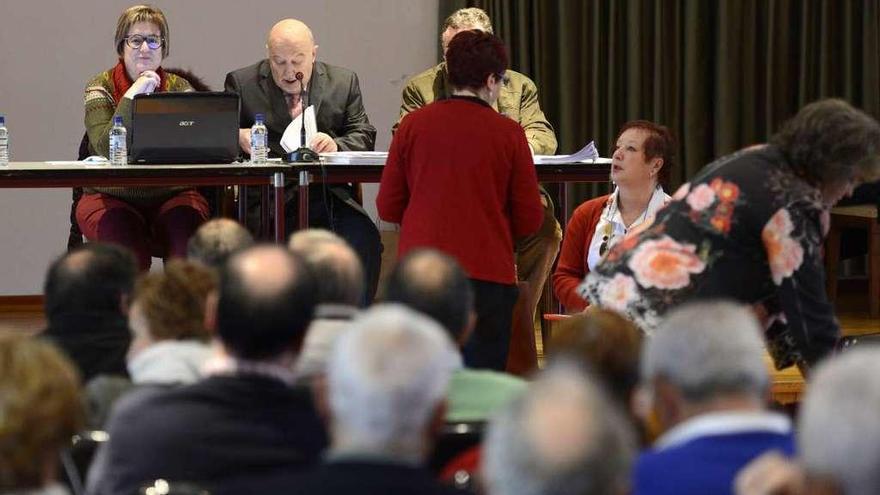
(187,123)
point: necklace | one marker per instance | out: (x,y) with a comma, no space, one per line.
(608,230)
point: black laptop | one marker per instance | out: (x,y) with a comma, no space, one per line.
(184,128)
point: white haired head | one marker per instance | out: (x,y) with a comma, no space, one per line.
(838,433)
(708,349)
(387,377)
(562,437)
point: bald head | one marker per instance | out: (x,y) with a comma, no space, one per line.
(434,284)
(291,49)
(267,298)
(92,278)
(337,268)
(215,241)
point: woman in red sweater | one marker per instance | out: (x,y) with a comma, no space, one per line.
(640,164)
(460,178)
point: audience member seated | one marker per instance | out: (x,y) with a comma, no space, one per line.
(244,422)
(87,293)
(387,379)
(434,284)
(750,227)
(216,240)
(608,344)
(139,218)
(706,372)
(562,437)
(40,410)
(170,342)
(340,278)
(838,430)
(640,165)
(474,208)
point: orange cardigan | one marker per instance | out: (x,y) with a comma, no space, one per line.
(572,266)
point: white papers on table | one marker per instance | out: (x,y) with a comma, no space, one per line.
(291,138)
(356,157)
(586,154)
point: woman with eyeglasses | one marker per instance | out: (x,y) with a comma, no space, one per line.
(460,178)
(142,219)
(640,164)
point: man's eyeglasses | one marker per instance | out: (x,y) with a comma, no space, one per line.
(136,40)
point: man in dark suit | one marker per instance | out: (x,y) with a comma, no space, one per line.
(244,427)
(87,292)
(270,87)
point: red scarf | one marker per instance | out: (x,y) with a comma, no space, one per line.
(121,81)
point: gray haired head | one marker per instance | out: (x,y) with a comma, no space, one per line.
(838,430)
(334,263)
(387,376)
(562,437)
(708,349)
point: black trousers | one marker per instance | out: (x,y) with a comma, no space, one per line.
(489,343)
(327,211)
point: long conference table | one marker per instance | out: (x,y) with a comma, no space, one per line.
(272,176)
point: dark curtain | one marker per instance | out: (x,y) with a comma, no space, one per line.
(721,74)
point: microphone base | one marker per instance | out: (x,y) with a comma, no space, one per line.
(302,155)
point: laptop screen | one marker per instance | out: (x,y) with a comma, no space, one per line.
(184,128)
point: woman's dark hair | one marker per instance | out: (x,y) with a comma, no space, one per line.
(658,144)
(474,55)
(830,140)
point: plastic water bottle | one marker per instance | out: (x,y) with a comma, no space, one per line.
(259,141)
(118,145)
(4,142)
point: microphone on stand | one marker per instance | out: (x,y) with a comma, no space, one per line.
(303,153)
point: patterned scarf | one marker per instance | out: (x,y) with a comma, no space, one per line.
(121,81)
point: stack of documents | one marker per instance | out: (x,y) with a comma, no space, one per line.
(355,157)
(587,154)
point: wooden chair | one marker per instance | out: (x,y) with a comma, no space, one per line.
(859,217)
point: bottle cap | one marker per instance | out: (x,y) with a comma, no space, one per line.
(2,119)
(259,117)
(117,120)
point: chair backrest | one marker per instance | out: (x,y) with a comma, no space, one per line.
(78,456)
(454,439)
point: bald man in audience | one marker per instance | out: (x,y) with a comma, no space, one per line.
(387,380)
(434,284)
(271,87)
(340,281)
(518,99)
(245,427)
(704,367)
(87,295)
(562,437)
(216,240)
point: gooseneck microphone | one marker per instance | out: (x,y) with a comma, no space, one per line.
(303,153)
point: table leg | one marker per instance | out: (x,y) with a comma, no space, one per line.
(278,184)
(303,189)
(264,210)
(242,204)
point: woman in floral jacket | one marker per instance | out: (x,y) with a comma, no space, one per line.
(749,227)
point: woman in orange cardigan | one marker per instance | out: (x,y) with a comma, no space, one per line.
(641,162)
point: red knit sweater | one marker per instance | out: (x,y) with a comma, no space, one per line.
(572,266)
(460,178)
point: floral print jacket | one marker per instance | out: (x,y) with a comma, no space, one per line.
(746,228)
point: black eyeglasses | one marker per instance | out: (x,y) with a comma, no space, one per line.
(603,248)
(136,40)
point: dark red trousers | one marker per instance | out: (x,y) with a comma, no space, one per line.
(160,230)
